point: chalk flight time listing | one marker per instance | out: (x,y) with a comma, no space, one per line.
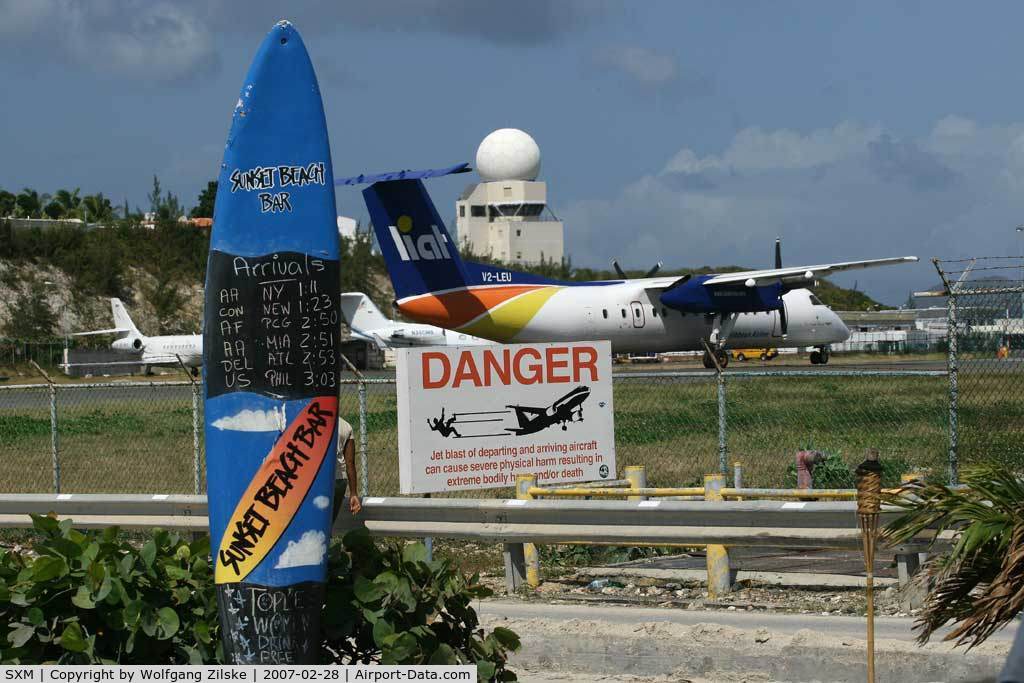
(250,674)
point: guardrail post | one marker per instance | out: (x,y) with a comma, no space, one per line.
(723,465)
(719,574)
(364,481)
(197,464)
(637,477)
(522,562)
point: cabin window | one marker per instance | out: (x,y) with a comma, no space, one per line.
(623,312)
(605,312)
(654,312)
(519,233)
(477,211)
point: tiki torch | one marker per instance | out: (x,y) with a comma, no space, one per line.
(869,503)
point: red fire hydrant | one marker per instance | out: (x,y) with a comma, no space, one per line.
(805,463)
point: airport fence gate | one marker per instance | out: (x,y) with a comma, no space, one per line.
(147,437)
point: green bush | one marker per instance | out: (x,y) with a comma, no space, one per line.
(835,473)
(100,597)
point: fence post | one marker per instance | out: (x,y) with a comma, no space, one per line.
(637,476)
(54,437)
(54,434)
(522,562)
(954,393)
(719,574)
(737,475)
(363,476)
(196,458)
(723,465)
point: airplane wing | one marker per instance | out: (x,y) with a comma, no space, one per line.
(798,274)
(113,330)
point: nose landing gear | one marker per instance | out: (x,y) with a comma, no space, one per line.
(821,356)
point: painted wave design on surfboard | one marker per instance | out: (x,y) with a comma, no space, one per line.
(272,360)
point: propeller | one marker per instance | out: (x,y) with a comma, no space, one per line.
(622,274)
(681,281)
(783,320)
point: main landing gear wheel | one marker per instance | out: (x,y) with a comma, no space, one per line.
(820,357)
(723,359)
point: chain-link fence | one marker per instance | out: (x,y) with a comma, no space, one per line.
(147,436)
(985,304)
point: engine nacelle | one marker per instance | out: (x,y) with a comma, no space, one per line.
(129,344)
(693,297)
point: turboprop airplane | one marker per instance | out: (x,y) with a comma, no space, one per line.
(160,350)
(567,409)
(433,285)
(366,322)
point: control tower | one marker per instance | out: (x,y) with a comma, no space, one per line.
(506,216)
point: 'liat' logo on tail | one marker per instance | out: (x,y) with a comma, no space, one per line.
(426,247)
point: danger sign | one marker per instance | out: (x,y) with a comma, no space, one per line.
(477,417)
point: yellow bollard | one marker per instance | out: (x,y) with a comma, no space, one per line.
(719,575)
(637,476)
(524,483)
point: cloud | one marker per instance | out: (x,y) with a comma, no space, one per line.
(253,421)
(321,502)
(160,42)
(845,192)
(309,550)
(641,64)
(647,72)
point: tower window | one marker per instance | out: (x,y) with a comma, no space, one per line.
(462,211)
(519,233)
(477,211)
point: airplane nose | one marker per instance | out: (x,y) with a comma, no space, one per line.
(840,328)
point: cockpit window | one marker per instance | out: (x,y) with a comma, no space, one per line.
(816,301)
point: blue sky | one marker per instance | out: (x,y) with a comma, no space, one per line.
(692,133)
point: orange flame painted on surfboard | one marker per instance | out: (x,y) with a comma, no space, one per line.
(276,491)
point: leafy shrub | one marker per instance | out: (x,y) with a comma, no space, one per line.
(97,597)
(407,610)
(834,473)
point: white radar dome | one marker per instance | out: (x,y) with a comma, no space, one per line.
(508,154)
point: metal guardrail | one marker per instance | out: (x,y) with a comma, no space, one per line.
(516,523)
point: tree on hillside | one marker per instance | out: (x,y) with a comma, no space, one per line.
(31,318)
(54,210)
(204,209)
(29,204)
(360,267)
(97,208)
(8,203)
(155,195)
(70,201)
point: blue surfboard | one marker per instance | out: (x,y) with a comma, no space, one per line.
(271,355)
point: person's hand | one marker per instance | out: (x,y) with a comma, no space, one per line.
(354,506)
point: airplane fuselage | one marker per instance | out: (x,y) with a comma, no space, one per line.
(631,316)
(164,349)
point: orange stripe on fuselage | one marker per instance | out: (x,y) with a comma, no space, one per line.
(455,309)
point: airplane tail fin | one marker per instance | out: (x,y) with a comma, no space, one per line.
(361,313)
(420,255)
(122,321)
